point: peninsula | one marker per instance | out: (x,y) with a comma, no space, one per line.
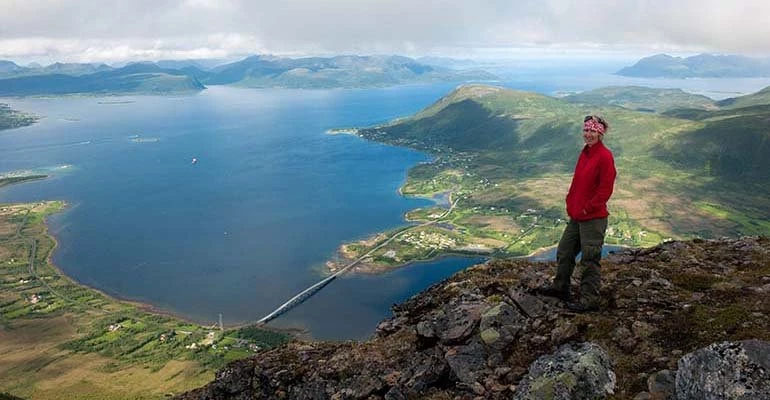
(10,118)
(505,158)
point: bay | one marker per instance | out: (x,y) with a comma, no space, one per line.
(248,225)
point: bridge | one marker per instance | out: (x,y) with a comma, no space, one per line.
(307,293)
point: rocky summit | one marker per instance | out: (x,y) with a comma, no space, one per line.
(682,320)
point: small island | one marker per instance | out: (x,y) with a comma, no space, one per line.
(140,139)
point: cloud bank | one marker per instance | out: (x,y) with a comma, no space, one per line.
(110,30)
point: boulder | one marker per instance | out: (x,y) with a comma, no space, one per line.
(725,371)
(468,363)
(500,325)
(574,372)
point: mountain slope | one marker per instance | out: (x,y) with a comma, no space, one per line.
(476,334)
(133,78)
(702,65)
(683,173)
(169,76)
(340,71)
(759,98)
(641,98)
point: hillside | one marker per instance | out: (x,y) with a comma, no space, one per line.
(642,98)
(481,334)
(133,78)
(701,66)
(261,71)
(760,98)
(339,71)
(10,118)
(9,69)
(504,158)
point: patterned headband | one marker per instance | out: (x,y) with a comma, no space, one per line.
(594,125)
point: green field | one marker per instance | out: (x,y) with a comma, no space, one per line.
(59,339)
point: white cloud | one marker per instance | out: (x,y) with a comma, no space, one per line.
(84,30)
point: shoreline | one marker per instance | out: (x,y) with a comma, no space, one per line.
(140,305)
(372,269)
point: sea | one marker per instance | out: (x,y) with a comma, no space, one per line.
(229,201)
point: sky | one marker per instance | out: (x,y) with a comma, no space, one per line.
(45,31)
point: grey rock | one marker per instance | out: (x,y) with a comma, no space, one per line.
(574,372)
(563,331)
(530,305)
(726,370)
(425,329)
(453,324)
(460,323)
(662,385)
(500,325)
(395,394)
(468,363)
(431,369)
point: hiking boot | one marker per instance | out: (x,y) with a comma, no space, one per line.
(550,291)
(580,308)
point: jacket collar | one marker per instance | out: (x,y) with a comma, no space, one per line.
(591,149)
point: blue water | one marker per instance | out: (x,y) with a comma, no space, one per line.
(269,200)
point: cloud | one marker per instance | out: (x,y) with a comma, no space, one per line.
(79,30)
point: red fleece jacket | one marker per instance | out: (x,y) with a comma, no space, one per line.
(592,184)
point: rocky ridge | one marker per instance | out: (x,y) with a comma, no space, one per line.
(682,320)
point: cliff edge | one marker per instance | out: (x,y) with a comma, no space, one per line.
(682,320)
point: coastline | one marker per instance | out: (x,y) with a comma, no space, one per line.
(139,305)
(439,257)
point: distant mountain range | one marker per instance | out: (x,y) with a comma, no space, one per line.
(133,78)
(172,76)
(700,66)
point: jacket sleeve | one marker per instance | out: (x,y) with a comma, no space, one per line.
(603,192)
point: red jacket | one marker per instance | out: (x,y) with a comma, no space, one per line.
(592,184)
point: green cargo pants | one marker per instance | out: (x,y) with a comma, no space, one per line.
(586,237)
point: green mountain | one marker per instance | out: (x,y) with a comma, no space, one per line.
(9,69)
(340,71)
(702,66)
(133,78)
(184,76)
(683,173)
(760,98)
(10,118)
(642,98)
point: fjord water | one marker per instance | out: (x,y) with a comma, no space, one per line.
(244,228)
(269,199)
